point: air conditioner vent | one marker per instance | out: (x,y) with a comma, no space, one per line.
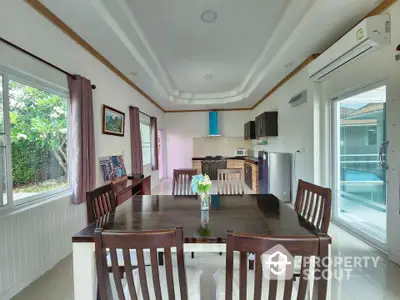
(298,99)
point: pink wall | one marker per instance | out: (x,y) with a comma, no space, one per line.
(179,151)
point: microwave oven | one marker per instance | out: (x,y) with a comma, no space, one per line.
(241,152)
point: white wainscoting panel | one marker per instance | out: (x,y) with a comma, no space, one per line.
(34,239)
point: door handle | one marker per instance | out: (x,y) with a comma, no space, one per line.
(382,162)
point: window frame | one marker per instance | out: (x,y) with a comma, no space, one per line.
(143,123)
(22,77)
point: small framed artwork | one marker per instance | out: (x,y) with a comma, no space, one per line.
(113,121)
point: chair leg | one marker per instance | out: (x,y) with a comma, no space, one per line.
(160,258)
(251,264)
(192,254)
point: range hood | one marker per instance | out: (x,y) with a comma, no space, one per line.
(213,124)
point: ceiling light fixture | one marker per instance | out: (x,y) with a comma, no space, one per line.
(288,65)
(133,73)
(208,77)
(208,16)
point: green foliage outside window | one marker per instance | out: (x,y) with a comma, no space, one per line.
(38,122)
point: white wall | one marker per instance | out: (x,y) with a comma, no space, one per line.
(33,239)
(368,70)
(295,127)
(182,127)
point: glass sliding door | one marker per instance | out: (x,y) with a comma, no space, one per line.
(359,180)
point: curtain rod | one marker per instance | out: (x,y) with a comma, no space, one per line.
(144,114)
(38,58)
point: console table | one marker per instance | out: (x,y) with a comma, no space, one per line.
(127,188)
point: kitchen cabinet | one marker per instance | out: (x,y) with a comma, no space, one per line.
(248,175)
(254,178)
(196,165)
(231,164)
(211,167)
(266,124)
(250,130)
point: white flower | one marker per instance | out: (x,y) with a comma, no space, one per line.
(22,136)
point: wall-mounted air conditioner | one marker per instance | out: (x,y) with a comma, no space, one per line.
(371,34)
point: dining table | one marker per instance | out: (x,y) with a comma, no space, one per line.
(204,231)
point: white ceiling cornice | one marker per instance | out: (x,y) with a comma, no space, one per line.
(162,83)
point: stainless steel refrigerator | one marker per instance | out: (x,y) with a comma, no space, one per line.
(275,174)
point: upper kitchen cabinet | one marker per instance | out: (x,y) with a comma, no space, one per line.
(250,130)
(266,124)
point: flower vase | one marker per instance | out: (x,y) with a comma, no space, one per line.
(205,200)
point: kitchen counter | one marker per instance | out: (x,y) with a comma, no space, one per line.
(210,165)
(251,160)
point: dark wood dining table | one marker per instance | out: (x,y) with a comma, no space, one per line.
(204,231)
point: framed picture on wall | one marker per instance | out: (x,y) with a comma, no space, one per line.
(113,121)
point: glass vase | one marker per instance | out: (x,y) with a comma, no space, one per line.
(205,200)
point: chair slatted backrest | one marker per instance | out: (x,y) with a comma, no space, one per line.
(230,182)
(107,243)
(100,201)
(304,247)
(313,202)
(182,182)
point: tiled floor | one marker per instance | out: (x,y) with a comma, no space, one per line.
(363,283)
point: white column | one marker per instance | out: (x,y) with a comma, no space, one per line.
(85,278)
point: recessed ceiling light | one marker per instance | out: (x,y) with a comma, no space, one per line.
(208,77)
(208,16)
(288,65)
(133,73)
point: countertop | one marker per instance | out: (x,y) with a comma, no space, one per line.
(252,160)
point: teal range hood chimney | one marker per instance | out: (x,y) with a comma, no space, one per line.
(213,124)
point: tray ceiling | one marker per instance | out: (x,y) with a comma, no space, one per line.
(183,62)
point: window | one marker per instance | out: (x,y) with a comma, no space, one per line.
(146,143)
(36,158)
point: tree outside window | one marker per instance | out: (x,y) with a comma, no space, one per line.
(38,123)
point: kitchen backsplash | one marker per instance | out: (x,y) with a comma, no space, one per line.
(212,146)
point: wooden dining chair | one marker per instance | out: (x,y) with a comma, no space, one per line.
(230,182)
(100,201)
(313,202)
(260,284)
(181,185)
(145,282)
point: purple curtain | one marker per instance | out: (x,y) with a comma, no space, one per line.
(81,140)
(154,143)
(136,141)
